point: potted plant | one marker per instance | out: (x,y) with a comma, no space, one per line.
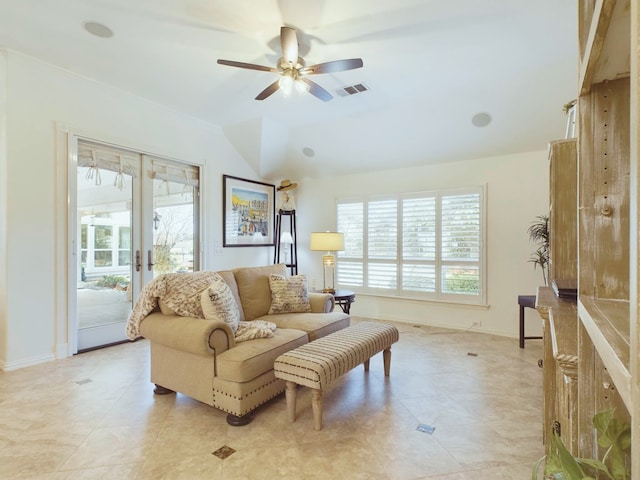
(613,434)
(539,234)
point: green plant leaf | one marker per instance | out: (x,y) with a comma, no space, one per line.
(536,467)
(615,436)
(562,462)
(596,465)
(618,468)
(601,422)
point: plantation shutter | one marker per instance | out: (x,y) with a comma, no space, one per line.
(461,243)
(382,238)
(419,245)
(426,245)
(350,261)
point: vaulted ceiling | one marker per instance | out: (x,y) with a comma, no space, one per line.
(430,66)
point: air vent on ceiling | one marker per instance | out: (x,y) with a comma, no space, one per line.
(352,89)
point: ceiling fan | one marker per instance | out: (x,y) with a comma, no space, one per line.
(293,70)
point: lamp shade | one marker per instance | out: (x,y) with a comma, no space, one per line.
(327,241)
(286,238)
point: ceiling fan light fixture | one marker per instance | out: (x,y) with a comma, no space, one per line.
(286,83)
(293,70)
(301,87)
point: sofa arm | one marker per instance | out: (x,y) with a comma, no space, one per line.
(194,335)
(321,302)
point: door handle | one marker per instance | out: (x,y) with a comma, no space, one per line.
(150,263)
(138,261)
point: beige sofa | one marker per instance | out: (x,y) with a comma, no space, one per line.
(200,358)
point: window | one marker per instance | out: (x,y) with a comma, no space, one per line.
(420,245)
(103,246)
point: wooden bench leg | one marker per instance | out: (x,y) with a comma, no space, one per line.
(316,406)
(366,365)
(290,394)
(386,355)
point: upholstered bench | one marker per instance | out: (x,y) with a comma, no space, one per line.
(319,363)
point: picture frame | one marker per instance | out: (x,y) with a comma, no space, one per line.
(248,215)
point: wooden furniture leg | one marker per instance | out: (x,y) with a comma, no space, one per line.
(316,406)
(521,326)
(290,394)
(386,356)
(366,365)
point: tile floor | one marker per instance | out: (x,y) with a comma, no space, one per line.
(95,416)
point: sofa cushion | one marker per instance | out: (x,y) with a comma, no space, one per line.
(247,360)
(218,304)
(230,279)
(253,288)
(315,324)
(288,294)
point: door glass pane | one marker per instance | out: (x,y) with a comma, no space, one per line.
(174,218)
(104,214)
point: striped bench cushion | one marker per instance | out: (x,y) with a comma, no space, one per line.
(319,363)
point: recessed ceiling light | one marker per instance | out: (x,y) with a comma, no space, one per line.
(308,151)
(481,119)
(98,29)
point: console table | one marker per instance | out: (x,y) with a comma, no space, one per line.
(528,301)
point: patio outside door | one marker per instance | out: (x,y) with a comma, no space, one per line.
(136,217)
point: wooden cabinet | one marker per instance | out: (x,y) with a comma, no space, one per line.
(560,367)
(607,126)
(605,334)
(560,316)
(563,220)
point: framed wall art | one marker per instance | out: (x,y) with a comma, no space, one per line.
(248,214)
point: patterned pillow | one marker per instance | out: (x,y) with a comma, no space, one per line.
(288,294)
(182,292)
(218,304)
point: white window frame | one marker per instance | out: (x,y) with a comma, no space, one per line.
(344,258)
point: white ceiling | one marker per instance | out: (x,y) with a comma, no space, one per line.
(431,65)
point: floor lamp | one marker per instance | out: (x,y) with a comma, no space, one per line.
(328,242)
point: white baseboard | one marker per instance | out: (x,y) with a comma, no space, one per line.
(423,323)
(26,362)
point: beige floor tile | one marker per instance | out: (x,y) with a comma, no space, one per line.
(412,454)
(95,416)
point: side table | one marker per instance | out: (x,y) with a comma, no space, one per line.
(345,298)
(528,301)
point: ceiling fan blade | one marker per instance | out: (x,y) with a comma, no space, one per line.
(289,44)
(270,90)
(317,91)
(332,67)
(250,66)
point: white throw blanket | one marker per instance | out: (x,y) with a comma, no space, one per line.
(181,292)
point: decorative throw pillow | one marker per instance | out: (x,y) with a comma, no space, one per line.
(182,292)
(288,294)
(218,304)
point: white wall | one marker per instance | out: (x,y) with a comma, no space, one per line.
(41,100)
(517,191)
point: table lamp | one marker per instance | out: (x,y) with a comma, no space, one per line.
(328,242)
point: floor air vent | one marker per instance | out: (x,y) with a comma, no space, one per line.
(352,89)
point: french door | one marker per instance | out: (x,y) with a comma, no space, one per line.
(134,216)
